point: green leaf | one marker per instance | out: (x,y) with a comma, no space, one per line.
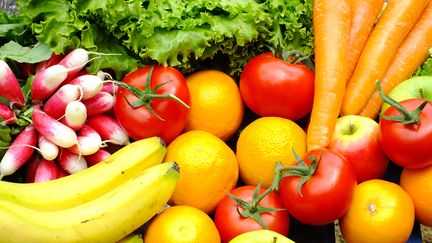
(5,138)
(12,50)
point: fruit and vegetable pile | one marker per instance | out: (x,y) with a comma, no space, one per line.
(215,121)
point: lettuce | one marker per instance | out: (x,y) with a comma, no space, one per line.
(184,34)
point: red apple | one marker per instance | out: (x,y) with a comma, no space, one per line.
(356,137)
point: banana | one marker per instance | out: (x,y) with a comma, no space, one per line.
(107,218)
(90,183)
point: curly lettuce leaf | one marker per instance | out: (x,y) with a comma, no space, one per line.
(178,33)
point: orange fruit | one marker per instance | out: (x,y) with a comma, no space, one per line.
(208,167)
(216,104)
(381,211)
(179,224)
(418,184)
(263,143)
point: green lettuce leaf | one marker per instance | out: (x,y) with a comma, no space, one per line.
(184,34)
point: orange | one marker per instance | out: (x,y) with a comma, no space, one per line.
(418,184)
(208,168)
(263,143)
(216,104)
(179,224)
(381,211)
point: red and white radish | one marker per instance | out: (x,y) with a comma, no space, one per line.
(55,106)
(89,141)
(7,116)
(109,129)
(30,171)
(46,82)
(75,115)
(90,85)
(75,61)
(62,173)
(47,149)
(54,59)
(110,87)
(70,162)
(19,152)
(53,130)
(100,103)
(9,86)
(46,170)
(97,157)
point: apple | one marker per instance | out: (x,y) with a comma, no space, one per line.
(416,87)
(356,137)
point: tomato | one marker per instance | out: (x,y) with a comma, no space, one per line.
(326,195)
(408,145)
(270,86)
(140,122)
(231,224)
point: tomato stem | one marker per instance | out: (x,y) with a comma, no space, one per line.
(146,96)
(407,118)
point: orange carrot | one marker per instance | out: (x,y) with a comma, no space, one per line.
(331,23)
(391,29)
(364,15)
(411,54)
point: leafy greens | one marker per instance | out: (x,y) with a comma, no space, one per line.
(184,34)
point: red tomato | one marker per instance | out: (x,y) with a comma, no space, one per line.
(327,195)
(408,145)
(270,86)
(140,122)
(230,223)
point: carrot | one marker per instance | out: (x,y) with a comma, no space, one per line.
(331,23)
(364,15)
(396,21)
(412,53)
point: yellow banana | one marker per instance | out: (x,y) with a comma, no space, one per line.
(90,183)
(107,218)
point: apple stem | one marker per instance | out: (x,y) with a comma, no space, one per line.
(407,118)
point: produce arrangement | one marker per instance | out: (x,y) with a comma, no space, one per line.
(215,121)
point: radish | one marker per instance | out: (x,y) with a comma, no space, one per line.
(31,169)
(53,130)
(75,115)
(97,157)
(89,141)
(46,170)
(109,129)
(19,152)
(46,82)
(99,104)
(47,149)
(55,106)
(70,162)
(75,61)
(54,59)
(7,116)
(62,173)
(90,84)
(110,87)
(9,87)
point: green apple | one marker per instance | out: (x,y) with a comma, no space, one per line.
(261,236)
(416,87)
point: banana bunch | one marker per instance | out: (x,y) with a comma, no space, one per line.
(103,203)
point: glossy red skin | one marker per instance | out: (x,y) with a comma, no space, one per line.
(230,224)
(365,154)
(327,195)
(139,122)
(408,145)
(270,86)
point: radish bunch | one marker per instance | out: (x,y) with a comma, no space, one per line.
(71,118)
